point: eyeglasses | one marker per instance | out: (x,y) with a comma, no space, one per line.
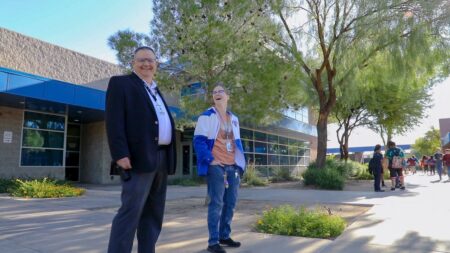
(143,60)
(218,92)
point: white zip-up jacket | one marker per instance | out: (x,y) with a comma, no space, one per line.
(206,130)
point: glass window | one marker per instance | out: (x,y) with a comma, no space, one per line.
(187,135)
(246,134)
(307,152)
(44,121)
(274,149)
(301,152)
(283,140)
(72,158)
(272,138)
(248,145)
(73,143)
(260,159)
(283,149)
(250,158)
(73,130)
(41,157)
(292,150)
(260,147)
(284,160)
(42,139)
(293,160)
(260,136)
(274,160)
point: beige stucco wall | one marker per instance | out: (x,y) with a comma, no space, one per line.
(23,53)
(11,119)
(95,157)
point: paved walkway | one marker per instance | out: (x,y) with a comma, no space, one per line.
(415,220)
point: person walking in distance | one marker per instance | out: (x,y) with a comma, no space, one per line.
(141,137)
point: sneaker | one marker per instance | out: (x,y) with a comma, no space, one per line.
(402,188)
(216,248)
(230,243)
(379,190)
(393,189)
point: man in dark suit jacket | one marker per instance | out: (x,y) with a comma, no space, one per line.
(141,136)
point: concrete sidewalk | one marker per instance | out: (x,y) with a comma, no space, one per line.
(415,220)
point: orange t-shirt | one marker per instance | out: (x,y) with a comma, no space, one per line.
(219,151)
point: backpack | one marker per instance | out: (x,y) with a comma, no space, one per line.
(397,161)
(372,166)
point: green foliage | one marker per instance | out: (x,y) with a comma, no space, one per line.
(124,43)
(285,220)
(427,144)
(362,173)
(251,177)
(7,185)
(331,177)
(44,188)
(282,174)
(186,181)
(326,178)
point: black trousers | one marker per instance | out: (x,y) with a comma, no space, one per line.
(377,181)
(142,210)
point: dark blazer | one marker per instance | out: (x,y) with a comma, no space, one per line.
(132,124)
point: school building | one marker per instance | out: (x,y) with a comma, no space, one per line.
(52,119)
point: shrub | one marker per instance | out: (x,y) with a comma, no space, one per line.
(45,188)
(285,220)
(281,175)
(7,185)
(251,177)
(186,181)
(326,178)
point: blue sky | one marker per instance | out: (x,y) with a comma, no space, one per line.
(85,25)
(80,25)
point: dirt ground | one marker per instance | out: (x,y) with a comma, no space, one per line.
(248,211)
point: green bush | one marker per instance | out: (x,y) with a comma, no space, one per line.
(282,175)
(186,181)
(341,167)
(251,177)
(285,220)
(44,188)
(329,178)
(7,185)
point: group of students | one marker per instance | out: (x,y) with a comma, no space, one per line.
(437,161)
(395,161)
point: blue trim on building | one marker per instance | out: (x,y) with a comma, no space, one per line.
(32,86)
(363,149)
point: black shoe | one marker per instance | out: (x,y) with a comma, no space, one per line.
(402,188)
(379,190)
(216,248)
(230,243)
(393,189)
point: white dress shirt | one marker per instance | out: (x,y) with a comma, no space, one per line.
(164,125)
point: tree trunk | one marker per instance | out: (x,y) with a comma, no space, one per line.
(322,139)
(346,137)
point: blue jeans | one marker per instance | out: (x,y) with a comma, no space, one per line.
(222,201)
(439,169)
(448,172)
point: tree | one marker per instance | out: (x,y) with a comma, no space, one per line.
(125,42)
(339,37)
(427,144)
(215,41)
